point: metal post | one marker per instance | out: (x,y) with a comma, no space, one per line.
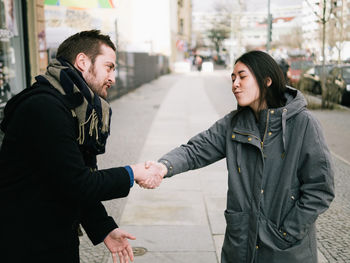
(231,40)
(268,44)
(323,83)
(117,48)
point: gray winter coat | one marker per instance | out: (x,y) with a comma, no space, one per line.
(280,178)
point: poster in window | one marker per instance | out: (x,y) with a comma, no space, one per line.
(11,24)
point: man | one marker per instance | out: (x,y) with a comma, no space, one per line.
(284,67)
(49,182)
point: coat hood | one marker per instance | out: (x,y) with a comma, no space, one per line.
(296,102)
(12,105)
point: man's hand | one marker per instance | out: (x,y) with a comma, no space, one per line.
(148,175)
(117,243)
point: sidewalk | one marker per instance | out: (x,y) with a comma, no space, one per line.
(183,220)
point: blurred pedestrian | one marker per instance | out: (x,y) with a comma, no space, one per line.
(280,175)
(199,62)
(49,181)
(284,67)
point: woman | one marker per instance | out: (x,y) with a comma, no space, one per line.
(280,176)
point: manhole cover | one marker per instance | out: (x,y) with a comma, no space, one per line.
(139,251)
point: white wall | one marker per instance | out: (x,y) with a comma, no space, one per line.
(145,26)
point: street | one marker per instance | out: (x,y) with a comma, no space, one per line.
(182,221)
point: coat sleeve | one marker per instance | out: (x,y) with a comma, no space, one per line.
(201,150)
(50,144)
(96,222)
(316,175)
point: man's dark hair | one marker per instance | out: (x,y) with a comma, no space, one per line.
(263,66)
(87,42)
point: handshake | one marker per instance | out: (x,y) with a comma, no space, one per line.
(149,174)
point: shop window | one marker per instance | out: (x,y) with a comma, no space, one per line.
(12,73)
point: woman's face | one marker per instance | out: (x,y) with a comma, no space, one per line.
(245,87)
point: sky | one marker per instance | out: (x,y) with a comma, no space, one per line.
(207,5)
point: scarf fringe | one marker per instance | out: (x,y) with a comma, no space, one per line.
(93,126)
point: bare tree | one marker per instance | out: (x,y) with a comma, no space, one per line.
(220,25)
(217,35)
(224,24)
(199,40)
(337,29)
(323,17)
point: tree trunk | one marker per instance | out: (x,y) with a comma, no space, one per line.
(323,83)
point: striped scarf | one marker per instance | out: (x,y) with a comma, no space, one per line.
(93,114)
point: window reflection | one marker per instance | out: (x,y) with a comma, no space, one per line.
(11,75)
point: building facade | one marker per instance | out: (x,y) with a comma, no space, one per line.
(156,27)
(184,30)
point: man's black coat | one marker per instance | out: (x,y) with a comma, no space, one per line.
(46,188)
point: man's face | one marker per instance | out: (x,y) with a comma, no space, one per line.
(101,75)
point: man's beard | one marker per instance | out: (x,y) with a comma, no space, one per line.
(91,81)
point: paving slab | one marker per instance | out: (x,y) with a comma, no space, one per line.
(177,257)
(215,209)
(163,207)
(219,241)
(172,238)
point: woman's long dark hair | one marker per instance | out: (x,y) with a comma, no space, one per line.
(263,66)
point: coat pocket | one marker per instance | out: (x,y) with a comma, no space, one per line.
(235,245)
(274,248)
(276,236)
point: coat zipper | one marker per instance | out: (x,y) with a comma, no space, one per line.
(267,124)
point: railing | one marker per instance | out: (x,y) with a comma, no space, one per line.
(135,69)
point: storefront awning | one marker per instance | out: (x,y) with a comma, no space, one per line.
(82,4)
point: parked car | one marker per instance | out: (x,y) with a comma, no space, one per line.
(296,66)
(345,100)
(338,84)
(310,80)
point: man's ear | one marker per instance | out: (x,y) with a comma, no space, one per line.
(82,62)
(268,81)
